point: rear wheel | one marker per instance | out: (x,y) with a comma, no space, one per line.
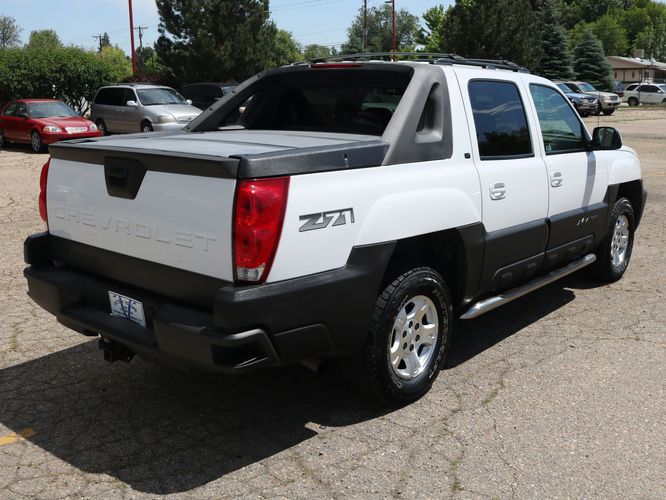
(614,252)
(146,127)
(608,112)
(2,139)
(36,142)
(632,101)
(408,336)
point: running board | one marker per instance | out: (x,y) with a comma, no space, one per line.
(491,303)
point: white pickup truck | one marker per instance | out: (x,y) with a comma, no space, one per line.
(350,209)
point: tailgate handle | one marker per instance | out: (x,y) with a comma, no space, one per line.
(123,177)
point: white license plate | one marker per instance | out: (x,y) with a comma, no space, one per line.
(126,307)
(75,130)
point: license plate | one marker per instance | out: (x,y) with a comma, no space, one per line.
(75,130)
(126,307)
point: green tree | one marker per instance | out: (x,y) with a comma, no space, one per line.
(432,36)
(314,51)
(43,40)
(653,40)
(286,50)
(575,11)
(556,61)
(591,65)
(105,41)
(214,40)
(494,29)
(10,32)
(118,65)
(380,31)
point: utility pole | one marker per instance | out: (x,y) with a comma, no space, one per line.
(365,25)
(131,17)
(141,29)
(392,2)
(99,37)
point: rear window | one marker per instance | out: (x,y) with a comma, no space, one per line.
(356,101)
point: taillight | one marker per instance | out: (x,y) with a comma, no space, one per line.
(259,212)
(42,191)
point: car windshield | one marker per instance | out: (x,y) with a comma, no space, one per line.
(152,97)
(586,87)
(662,86)
(563,88)
(50,109)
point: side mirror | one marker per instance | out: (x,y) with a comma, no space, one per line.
(23,115)
(189,101)
(131,104)
(606,138)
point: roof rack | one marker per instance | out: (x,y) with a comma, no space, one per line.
(431,57)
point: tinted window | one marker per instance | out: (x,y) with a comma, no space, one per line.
(10,110)
(632,86)
(499,118)
(21,109)
(560,127)
(128,95)
(110,96)
(649,88)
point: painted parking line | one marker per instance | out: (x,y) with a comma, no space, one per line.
(14,437)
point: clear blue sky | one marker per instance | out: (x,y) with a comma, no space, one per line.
(76,21)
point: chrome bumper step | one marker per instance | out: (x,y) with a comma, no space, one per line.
(491,303)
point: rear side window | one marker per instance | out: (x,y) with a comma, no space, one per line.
(631,87)
(649,88)
(499,119)
(112,96)
(10,110)
(561,129)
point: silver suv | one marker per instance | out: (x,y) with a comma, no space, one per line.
(138,107)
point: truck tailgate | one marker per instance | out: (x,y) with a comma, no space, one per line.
(176,219)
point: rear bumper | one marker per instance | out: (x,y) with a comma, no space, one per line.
(242,328)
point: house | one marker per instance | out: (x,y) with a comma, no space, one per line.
(636,69)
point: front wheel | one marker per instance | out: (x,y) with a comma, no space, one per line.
(146,127)
(608,112)
(36,142)
(597,111)
(407,341)
(614,251)
(101,126)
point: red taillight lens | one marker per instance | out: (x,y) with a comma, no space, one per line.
(43,177)
(260,206)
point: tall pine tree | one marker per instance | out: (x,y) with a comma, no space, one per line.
(556,61)
(215,40)
(591,65)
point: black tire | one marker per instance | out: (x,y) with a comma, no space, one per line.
(608,112)
(372,370)
(36,142)
(2,139)
(607,269)
(101,126)
(632,101)
(146,126)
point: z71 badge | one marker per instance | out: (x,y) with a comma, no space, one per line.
(322,220)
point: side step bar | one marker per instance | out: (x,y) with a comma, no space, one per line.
(491,303)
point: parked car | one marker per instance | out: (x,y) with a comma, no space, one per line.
(585,104)
(608,101)
(645,93)
(40,122)
(128,108)
(310,227)
(203,95)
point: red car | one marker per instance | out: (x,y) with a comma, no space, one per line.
(40,122)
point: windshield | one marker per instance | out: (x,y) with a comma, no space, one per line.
(563,88)
(50,109)
(586,87)
(152,97)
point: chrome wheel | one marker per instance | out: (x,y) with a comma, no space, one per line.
(412,342)
(620,241)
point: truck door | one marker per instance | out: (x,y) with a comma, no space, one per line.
(577,178)
(513,179)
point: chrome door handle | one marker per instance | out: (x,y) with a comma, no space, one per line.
(556,179)
(497,191)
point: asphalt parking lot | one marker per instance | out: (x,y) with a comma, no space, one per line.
(559,394)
